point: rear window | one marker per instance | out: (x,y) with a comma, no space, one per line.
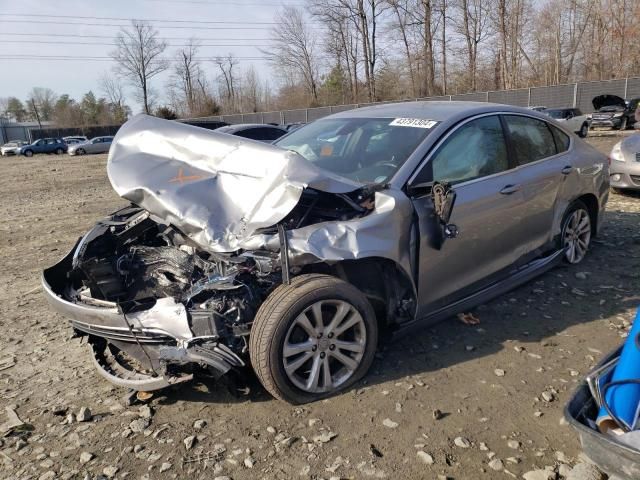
(531,138)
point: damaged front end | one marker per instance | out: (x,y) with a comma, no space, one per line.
(171,284)
(154,306)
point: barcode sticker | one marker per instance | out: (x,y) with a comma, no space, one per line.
(413,122)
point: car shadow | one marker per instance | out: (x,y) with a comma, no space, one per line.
(534,312)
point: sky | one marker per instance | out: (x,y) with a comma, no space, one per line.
(44,43)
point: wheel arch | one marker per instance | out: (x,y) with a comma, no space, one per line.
(591,202)
(384,282)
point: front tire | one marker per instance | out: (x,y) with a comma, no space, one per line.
(576,232)
(80,151)
(28,153)
(312,338)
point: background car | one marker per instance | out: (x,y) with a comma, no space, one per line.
(613,111)
(254,131)
(625,164)
(12,147)
(95,145)
(73,140)
(44,145)
(574,119)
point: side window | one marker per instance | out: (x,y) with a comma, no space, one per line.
(531,139)
(272,133)
(562,139)
(252,133)
(476,149)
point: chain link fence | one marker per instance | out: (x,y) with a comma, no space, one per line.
(575,95)
(578,95)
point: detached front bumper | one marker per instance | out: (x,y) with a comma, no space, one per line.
(158,338)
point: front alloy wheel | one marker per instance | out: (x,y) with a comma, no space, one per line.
(312,338)
(324,346)
(576,233)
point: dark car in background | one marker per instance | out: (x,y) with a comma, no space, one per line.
(572,118)
(612,111)
(254,131)
(44,145)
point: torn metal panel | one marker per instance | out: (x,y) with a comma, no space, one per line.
(216,188)
(384,233)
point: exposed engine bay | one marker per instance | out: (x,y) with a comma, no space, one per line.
(138,264)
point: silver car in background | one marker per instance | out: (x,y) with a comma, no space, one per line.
(295,258)
(573,118)
(95,145)
(12,147)
(625,163)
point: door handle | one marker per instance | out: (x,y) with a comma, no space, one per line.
(567,170)
(509,189)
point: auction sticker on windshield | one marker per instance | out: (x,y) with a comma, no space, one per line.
(413,122)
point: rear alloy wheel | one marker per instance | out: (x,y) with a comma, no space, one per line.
(584,131)
(59,151)
(576,233)
(312,338)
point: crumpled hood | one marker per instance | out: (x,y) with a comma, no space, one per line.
(217,189)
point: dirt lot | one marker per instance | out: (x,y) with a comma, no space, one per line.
(486,380)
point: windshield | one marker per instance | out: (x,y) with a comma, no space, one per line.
(367,150)
(556,113)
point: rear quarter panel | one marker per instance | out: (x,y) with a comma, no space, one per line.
(590,175)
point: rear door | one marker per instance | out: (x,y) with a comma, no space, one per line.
(488,209)
(542,168)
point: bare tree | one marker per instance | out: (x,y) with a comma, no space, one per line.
(138,54)
(226,65)
(186,73)
(113,90)
(472,23)
(41,103)
(293,49)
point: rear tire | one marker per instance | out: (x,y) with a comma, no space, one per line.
(576,233)
(312,338)
(59,151)
(623,124)
(584,130)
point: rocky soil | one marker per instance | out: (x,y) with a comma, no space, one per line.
(455,401)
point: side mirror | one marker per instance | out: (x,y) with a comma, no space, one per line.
(444,198)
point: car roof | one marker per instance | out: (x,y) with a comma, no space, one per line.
(428,110)
(238,127)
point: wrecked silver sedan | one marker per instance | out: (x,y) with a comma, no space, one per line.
(297,258)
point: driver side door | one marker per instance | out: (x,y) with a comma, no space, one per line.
(488,209)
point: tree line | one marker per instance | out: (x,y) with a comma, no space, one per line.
(332,52)
(44,105)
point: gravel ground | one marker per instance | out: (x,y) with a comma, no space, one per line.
(455,401)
